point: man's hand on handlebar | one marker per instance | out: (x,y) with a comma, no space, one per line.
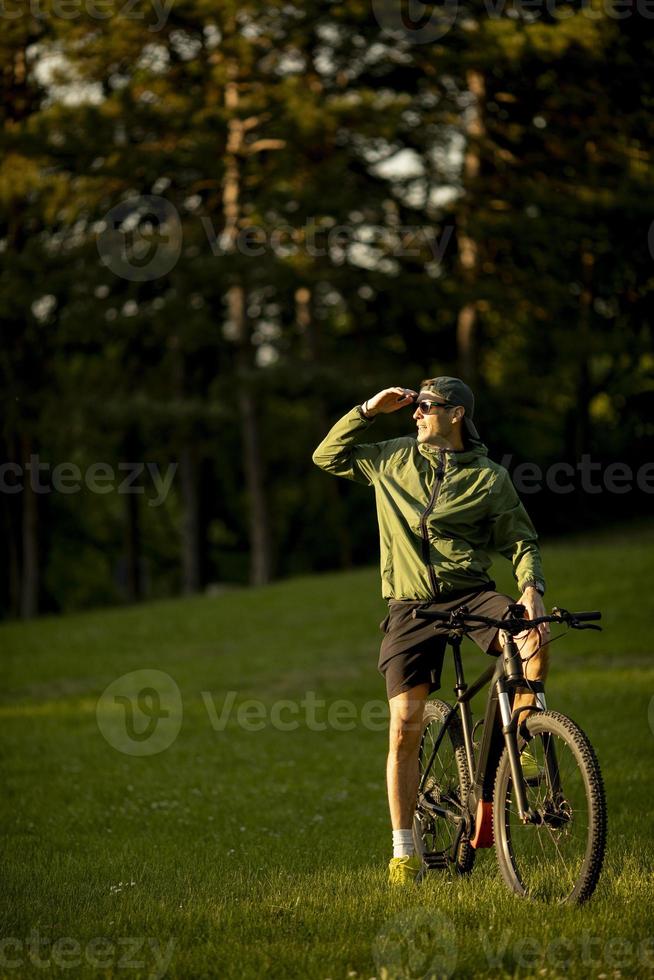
(532,600)
(389,400)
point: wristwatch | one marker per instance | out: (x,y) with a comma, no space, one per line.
(537,584)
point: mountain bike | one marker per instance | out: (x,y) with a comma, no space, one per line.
(533,789)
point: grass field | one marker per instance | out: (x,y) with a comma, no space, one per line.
(243,850)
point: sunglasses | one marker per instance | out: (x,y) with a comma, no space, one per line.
(426,406)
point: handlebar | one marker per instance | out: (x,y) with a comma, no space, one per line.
(583,617)
(461,619)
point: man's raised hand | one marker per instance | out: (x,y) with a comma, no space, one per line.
(389,400)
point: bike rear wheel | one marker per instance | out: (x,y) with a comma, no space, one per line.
(559,858)
(441,817)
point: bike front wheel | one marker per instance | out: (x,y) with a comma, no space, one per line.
(557,858)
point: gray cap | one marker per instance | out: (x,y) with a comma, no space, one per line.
(456,392)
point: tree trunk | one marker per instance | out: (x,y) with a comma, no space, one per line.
(132,548)
(468,247)
(189,468)
(253,468)
(582,411)
(307,329)
(29,593)
(189,482)
(12,525)
(259,527)
(260,549)
(132,516)
(14,555)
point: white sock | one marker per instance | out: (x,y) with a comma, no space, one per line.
(403,843)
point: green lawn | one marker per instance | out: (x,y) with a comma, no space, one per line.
(243,850)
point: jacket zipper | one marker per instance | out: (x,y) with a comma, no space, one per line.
(423,521)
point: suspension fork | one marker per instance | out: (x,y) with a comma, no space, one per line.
(513,674)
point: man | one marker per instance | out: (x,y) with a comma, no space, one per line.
(441,505)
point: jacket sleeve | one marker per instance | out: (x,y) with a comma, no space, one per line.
(513,534)
(339,454)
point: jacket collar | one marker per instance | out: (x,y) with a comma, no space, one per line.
(472,452)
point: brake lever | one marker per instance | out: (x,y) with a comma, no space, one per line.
(589,626)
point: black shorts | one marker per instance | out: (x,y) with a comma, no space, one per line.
(413,650)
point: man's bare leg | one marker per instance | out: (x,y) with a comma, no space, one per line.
(402,765)
(536,668)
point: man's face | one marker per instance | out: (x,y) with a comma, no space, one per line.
(437,424)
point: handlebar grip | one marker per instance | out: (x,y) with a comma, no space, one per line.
(442,617)
(584,617)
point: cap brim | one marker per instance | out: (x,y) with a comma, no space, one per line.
(470,427)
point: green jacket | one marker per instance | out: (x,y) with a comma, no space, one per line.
(439,511)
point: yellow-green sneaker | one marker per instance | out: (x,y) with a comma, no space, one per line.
(532,772)
(404,870)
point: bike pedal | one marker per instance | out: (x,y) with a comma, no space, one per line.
(436,861)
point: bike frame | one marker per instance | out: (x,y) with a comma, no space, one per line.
(500,725)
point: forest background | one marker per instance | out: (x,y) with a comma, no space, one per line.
(224,224)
